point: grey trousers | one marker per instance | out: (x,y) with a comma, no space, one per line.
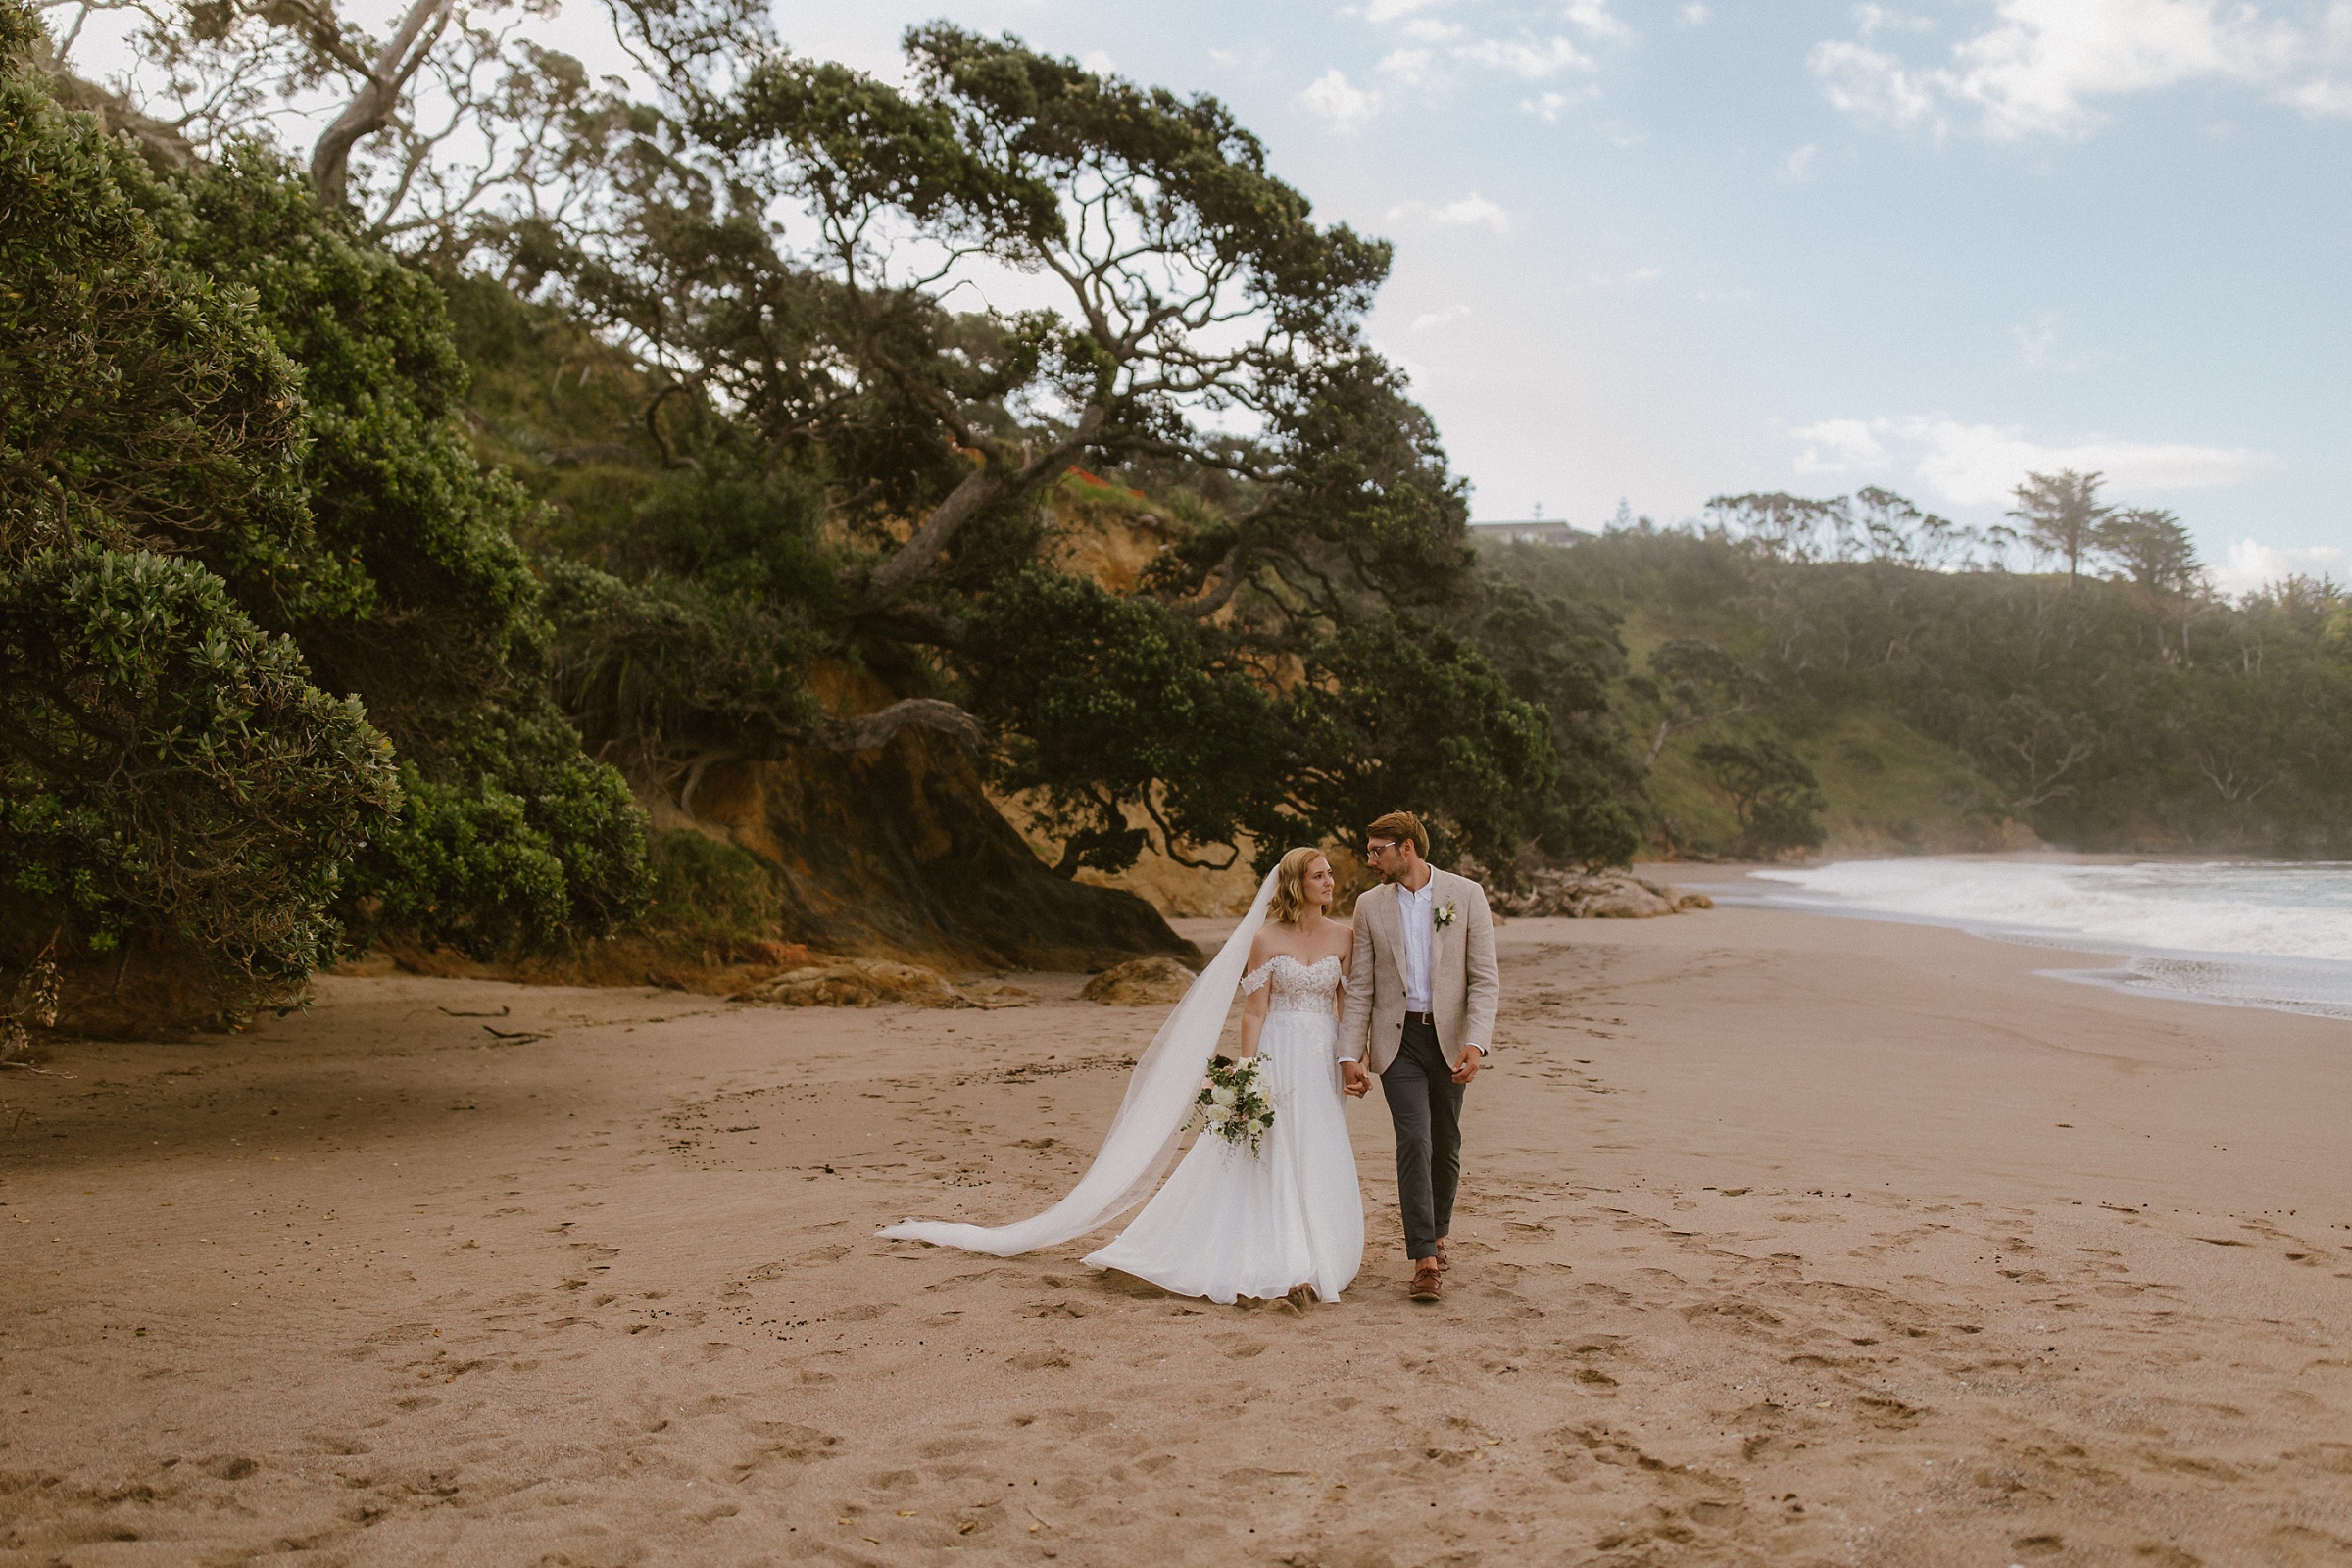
(1425,1104)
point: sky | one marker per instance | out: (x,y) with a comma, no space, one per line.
(1652,251)
(1655,251)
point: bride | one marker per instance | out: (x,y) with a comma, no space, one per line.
(1285,1220)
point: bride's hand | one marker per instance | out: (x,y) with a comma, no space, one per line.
(1354,1080)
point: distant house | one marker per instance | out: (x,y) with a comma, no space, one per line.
(1536,532)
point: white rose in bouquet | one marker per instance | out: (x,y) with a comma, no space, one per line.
(1224,1095)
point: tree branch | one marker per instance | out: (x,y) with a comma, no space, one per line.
(872,731)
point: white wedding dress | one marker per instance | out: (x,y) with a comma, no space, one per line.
(1232,1224)
(1228,1223)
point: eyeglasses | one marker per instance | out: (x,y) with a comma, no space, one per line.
(1379,846)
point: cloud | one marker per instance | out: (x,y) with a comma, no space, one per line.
(1870,20)
(1641,275)
(1980,465)
(1099,63)
(1797,166)
(1548,106)
(2042,65)
(1380,12)
(1408,65)
(1330,98)
(2252,565)
(1594,17)
(1850,446)
(1429,29)
(1535,62)
(1452,312)
(1870,84)
(1471,211)
(1692,14)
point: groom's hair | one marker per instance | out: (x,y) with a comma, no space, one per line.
(1401,825)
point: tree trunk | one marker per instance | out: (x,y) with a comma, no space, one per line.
(370,109)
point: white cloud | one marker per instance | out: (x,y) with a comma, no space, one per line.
(1641,275)
(1980,465)
(1869,84)
(1471,211)
(1429,29)
(1535,62)
(1870,20)
(2042,65)
(1548,106)
(1224,57)
(1797,166)
(1408,65)
(1452,312)
(1850,446)
(1386,10)
(2251,565)
(1692,14)
(1331,98)
(1099,63)
(1594,17)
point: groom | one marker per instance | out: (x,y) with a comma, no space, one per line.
(1422,992)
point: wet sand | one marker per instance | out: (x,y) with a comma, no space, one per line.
(1785,1239)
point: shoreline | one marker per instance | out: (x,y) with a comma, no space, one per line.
(1783,1239)
(2312,987)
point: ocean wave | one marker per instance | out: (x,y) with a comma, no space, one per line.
(2262,909)
(2251,932)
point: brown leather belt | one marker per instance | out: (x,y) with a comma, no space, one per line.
(1422,1018)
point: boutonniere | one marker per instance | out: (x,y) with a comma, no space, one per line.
(1444,916)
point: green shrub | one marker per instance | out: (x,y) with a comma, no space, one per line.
(168,765)
(709,891)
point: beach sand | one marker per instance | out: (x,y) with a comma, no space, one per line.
(1784,1240)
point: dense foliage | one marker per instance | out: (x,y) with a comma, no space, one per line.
(167,766)
(2119,704)
(231,483)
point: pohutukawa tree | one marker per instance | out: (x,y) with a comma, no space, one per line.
(802,269)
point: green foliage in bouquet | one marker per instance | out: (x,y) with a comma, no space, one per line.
(1233,1105)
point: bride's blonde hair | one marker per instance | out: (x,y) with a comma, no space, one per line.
(1290,885)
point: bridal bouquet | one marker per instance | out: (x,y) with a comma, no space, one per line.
(1233,1105)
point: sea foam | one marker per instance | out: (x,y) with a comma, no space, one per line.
(2253,933)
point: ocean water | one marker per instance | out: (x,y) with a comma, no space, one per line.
(2262,934)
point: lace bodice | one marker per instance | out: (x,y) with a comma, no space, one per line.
(1298,987)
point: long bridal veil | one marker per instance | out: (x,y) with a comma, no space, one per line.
(1142,1137)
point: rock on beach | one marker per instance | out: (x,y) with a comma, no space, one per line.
(1598,896)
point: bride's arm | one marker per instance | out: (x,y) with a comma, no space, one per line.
(1253,1001)
(1339,995)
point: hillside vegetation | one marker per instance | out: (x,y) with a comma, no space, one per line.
(1855,674)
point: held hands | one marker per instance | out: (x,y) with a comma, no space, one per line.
(1353,1079)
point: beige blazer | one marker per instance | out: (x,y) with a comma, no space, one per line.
(1465,984)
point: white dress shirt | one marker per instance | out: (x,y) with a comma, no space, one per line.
(1413,914)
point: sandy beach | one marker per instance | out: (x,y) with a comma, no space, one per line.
(1785,1239)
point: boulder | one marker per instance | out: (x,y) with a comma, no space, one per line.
(855,983)
(1627,899)
(1597,896)
(1139,983)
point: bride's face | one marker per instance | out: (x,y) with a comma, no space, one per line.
(1318,885)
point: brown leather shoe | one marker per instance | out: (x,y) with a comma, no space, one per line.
(1427,1285)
